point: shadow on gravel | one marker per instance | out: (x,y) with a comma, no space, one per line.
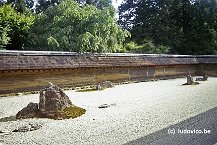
(6,119)
(206,120)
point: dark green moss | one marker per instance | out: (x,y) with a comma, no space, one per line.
(73,112)
(86,90)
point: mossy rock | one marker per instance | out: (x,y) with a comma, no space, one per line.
(73,112)
(66,113)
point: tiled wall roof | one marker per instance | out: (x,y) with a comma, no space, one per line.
(13,60)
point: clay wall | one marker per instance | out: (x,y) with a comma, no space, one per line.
(29,80)
(209,69)
(28,71)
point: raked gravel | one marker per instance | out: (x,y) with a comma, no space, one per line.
(140,109)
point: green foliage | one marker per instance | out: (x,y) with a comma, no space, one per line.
(21,6)
(71,27)
(101,4)
(203,33)
(42,5)
(52,42)
(39,6)
(14,27)
(186,26)
(147,47)
(4,39)
(148,20)
(127,13)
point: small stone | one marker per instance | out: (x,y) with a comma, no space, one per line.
(107,105)
(35,127)
(104,106)
(15,130)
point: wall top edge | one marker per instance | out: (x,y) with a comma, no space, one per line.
(61,53)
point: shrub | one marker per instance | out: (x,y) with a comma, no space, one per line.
(147,47)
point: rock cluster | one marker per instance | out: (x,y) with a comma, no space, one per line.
(190,81)
(104,85)
(29,127)
(52,103)
(204,78)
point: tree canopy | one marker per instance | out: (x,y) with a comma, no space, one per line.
(19,5)
(155,26)
(186,26)
(14,27)
(39,6)
(71,27)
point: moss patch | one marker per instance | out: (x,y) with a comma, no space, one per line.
(33,92)
(73,112)
(87,88)
(19,94)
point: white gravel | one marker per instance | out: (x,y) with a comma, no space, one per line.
(141,108)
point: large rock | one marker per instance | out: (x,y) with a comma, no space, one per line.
(53,103)
(205,77)
(190,80)
(53,99)
(30,111)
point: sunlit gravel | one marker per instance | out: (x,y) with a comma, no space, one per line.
(140,109)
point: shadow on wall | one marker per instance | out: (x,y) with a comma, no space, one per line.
(204,122)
